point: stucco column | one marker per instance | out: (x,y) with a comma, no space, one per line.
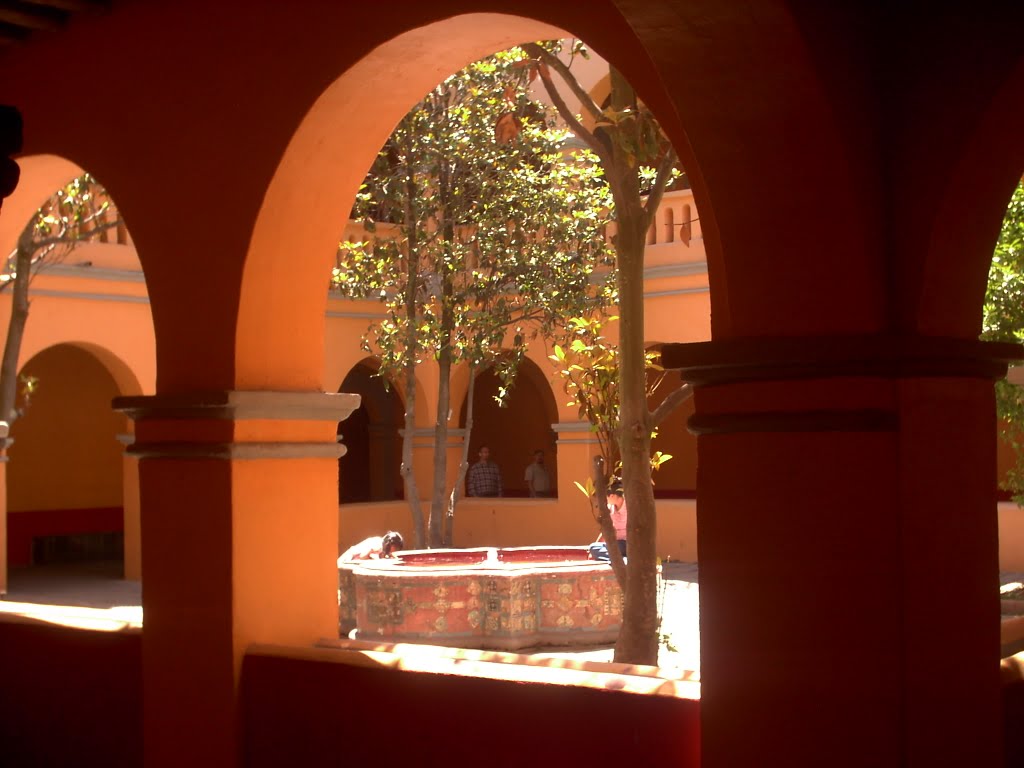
(423,457)
(5,443)
(130,505)
(383,450)
(239,534)
(847,537)
(577,447)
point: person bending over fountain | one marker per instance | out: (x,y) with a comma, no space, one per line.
(374,548)
(617,508)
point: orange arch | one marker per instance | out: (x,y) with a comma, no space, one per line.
(310,194)
(41,176)
(972,188)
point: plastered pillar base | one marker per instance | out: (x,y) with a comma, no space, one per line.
(239,521)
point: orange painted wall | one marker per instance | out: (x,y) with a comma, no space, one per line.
(361,711)
(74,697)
(1011,537)
(522,522)
(677,476)
(65,453)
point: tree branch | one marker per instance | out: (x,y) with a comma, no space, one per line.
(566,74)
(604,520)
(674,399)
(563,109)
(65,239)
(668,162)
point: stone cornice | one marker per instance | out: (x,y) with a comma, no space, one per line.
(94,273)
(571,426)
(235,405)
(676,292)
(89,296)
(237,451)
(874,355)
(427,433)
(819,420)
(676,270)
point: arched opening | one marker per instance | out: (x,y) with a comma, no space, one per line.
(86,310)
(516,430)
(793,696)
(369,470)
(65,470)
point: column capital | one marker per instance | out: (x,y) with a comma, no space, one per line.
(576,432)
(882,355)
(235,405)
(297,420)
(427,433)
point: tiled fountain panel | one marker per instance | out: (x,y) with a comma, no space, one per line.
(506,599)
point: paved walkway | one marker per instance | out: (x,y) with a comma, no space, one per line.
(83,594)
(93,594)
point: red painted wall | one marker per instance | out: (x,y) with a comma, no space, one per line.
(69,697)
(24,526)
(304,712)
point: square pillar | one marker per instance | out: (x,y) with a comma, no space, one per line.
(847,539)
(132,515)
(577,447)
(423,450)
(5,443)
(239,532)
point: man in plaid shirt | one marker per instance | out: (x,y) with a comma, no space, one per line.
(484,477)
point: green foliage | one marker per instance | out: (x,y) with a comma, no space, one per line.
(79,211)
(1004,321)
(481,227)
(588,363)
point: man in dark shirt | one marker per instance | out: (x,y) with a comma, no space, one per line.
(484,477)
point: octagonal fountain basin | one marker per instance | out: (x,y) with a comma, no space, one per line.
(502,599)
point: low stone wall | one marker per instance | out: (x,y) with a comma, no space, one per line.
(357,704)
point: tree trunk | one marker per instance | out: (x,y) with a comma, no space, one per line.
(604,521)
(412,494)
(444,365)
(437,505)
(15,333)
(460,481)
(638,640)
(617,146)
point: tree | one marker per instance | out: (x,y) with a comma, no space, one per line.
(588,363)
(1004,321)
(482,229)
(638,162)
(80,211)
